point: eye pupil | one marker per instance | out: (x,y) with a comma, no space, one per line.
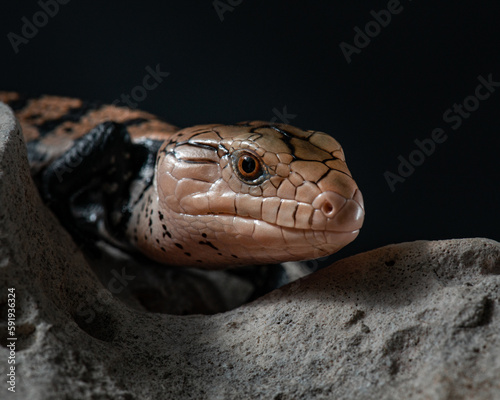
(248,165)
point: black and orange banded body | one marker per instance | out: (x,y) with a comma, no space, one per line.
(211,196)
(51,124)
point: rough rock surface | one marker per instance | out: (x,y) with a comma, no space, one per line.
(413,320)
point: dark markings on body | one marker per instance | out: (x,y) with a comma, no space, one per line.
(73,115)
(135,121)
(209,244)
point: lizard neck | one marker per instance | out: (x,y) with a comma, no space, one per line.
(148,228)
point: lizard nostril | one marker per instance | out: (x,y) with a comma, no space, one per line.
(327,209)
(329,203)
(334,212)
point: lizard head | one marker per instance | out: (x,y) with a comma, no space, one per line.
(255,193)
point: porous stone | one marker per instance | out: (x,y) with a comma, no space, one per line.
(414,320)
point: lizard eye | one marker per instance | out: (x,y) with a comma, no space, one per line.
(248,167)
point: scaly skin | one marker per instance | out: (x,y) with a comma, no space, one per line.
(208,207)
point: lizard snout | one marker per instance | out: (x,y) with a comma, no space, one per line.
(341,214)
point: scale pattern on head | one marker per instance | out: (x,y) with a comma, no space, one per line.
(253,192)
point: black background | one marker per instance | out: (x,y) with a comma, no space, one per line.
(267,55)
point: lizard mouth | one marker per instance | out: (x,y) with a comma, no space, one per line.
(273,235)
(331,222)
(330,213)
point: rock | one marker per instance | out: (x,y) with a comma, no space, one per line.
(414,320)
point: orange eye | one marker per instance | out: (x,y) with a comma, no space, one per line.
(249,167)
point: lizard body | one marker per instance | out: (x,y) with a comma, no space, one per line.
(209,196)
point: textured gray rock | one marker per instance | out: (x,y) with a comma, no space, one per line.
(414,320)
